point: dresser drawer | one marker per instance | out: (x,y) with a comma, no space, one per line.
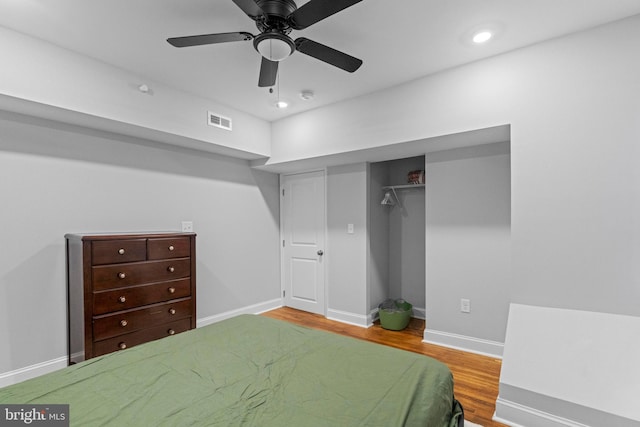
(136,296)
(124,322)
(129,340)
(121,275)
(117,251)
(169,247)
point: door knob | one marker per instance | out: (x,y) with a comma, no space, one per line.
(320,252)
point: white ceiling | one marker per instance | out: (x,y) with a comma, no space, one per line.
(398,41)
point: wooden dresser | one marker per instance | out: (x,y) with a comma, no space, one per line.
(127,289)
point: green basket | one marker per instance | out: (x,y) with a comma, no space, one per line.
(396,320)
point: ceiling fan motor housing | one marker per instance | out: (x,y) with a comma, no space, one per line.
(275,15)
(282,8)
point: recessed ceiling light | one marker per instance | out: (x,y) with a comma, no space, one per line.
(482,36)
(282,104)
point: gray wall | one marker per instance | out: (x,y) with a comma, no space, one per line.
(347,253)
(469,240)
(378,235)
(56,179)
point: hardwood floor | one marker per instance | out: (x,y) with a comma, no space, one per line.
(475,377)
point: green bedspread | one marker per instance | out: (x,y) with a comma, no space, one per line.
(250,371)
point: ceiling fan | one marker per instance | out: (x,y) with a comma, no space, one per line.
(275,19)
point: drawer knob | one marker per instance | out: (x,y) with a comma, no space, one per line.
(171,269)
(122,346)
(172,290)
(171,248)
(171,332)
(172,311)
(121,251)
(121,275)
(123,323)
(122,299)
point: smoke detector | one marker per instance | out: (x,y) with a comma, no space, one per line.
(307,95)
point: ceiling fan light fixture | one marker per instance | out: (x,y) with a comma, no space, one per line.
(274,46)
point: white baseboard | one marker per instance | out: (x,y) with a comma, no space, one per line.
(32,371)
(350,318)
(516,415)
(28,372)
(251,309)
(518,407)
(419,313)
(464,343)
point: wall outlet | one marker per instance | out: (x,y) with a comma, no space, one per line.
(465,305)
(350,229)
(187,226)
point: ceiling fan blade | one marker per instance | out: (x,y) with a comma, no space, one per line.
(250,7)
(209,39)
(317,10)
(268,73)
(327,54)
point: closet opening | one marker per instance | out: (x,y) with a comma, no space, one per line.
(397,232)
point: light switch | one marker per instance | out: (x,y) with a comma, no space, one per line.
(350,228)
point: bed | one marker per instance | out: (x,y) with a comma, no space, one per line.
(251,371)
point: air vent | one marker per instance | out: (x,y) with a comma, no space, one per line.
(219,121)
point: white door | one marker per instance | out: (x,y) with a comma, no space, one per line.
(302,216)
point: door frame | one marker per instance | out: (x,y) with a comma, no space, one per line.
(327,253)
